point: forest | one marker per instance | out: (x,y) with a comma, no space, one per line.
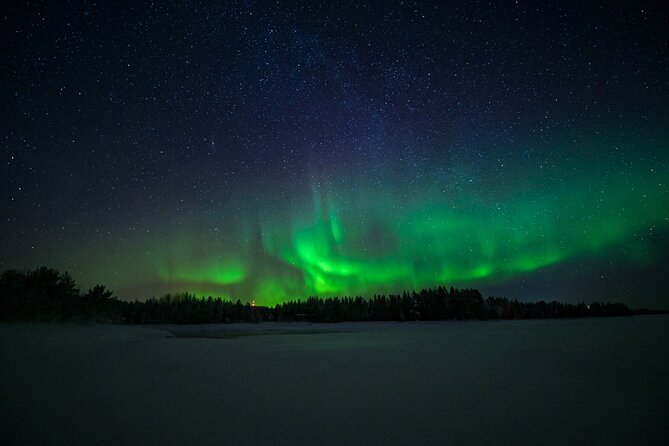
(47,295)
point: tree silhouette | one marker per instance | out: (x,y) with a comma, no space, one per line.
(44,294)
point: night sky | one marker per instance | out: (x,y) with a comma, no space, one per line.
(276,150)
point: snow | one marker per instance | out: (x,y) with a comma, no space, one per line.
(595,381)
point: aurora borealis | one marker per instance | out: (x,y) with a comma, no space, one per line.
(263,151)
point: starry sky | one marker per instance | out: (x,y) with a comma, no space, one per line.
(264,151)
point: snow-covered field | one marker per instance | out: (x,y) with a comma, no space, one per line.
(590,382)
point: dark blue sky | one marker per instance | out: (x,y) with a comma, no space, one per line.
(271,150)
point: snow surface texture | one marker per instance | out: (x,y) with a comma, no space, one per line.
(594,382)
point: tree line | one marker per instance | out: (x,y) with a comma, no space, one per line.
(46,295)
(434,304)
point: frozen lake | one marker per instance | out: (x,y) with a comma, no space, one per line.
(590,382)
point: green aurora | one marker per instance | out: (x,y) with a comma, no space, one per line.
(386,232)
